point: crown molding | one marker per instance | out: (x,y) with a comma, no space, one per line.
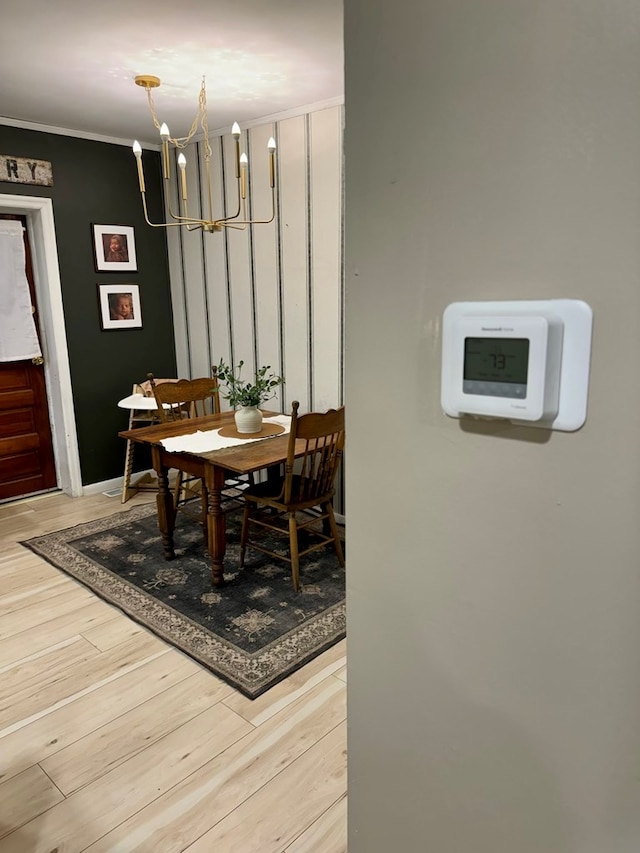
(65,131)
(303,109)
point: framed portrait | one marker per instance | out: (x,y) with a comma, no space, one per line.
(114,248)
(120,306)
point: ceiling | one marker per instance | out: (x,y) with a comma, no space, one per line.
(70,64)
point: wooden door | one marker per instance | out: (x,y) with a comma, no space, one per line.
(26,448)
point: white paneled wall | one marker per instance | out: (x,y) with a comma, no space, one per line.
(266,257)
(273,293)
(294,240)
(326,294)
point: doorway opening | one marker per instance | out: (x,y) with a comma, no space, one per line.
(42,238)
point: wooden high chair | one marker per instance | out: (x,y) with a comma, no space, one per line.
(142,412)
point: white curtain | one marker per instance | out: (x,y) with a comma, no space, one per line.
(18,337)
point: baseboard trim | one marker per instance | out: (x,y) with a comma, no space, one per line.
(115,483)
(115,487)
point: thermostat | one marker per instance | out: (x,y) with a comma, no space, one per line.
(527,361)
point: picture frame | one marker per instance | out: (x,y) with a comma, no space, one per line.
(120,306)
(114,248)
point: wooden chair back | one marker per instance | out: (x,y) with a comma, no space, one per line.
(310,477)
(186,398)
(305,493)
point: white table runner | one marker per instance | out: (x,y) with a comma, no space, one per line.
(203,441)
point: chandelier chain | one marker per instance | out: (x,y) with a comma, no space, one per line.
(201,116)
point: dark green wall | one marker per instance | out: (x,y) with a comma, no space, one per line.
(96,182)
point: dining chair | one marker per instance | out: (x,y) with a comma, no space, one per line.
(302,499)
(192,398)
(186,398)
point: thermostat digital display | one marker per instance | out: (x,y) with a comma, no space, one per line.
(497,366)
(523,361)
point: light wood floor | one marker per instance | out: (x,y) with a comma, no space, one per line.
(112,740)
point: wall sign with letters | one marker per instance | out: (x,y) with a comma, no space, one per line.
(25,170)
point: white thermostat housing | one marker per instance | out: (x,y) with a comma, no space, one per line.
(527,361)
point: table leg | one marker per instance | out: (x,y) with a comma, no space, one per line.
(216,522)
(164,501)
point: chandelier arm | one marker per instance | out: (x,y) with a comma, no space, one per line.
(170,208)
(235,219)
(254,221)
(157,224)
(262,221)
(180,220)
(186,220)
(235,215)
(207,170)
(170,225)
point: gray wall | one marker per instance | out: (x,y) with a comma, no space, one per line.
(493,584)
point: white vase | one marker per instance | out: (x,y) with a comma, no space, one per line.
(248,419)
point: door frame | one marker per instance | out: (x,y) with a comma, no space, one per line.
(42,237)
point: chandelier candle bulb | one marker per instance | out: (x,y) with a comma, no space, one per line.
(271,148)
(243,175)
(235,132)
(137,153)
(164,136)
(182,163)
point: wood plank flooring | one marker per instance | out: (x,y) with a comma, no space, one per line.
(112,741)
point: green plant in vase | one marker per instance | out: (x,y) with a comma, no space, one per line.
(246,396)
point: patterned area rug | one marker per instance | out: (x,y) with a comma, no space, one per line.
(252,632)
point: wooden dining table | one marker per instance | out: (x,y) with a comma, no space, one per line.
(212,467)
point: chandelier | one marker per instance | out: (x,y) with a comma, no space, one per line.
(238,219)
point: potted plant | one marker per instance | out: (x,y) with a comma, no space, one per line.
(246,396)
